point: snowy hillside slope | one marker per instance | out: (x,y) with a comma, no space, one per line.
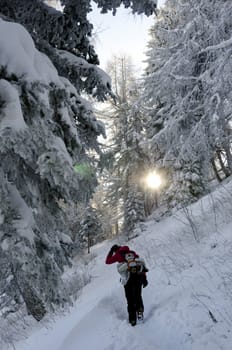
(188,302)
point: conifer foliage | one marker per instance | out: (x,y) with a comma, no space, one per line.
(91,228)
(48,132)
(128,158)
(188,94)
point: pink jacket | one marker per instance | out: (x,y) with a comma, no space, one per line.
(119,255)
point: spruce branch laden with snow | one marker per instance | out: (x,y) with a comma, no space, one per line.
(47,130)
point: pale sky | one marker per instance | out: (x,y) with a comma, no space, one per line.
(121,34)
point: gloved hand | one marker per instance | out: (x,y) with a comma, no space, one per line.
(113,249)
(145,283)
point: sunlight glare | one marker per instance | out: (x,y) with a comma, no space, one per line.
(153,180)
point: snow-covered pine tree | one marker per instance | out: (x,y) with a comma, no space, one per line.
(101,202)
(91,228)
(136,164)
(133,210)
(127,154)
(46,132)
(39,147)
(187,115)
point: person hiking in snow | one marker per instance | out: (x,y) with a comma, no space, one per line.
(132,270)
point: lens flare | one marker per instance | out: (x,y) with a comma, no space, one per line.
(84,170)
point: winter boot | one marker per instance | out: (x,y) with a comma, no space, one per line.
(140,316)
(133,322)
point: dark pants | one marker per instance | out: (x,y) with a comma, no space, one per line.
(133,292)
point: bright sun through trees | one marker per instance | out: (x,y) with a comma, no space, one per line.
(153,180)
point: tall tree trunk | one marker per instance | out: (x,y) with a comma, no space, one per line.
(227,146)
(33,302)
(226,141)
(216,171)
(222,164)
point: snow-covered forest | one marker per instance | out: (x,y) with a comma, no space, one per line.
(66,195)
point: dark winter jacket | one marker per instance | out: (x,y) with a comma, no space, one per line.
(119,255)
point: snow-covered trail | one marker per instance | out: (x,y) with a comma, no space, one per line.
(105,326)
(99,319)
(174,318)
(188,302)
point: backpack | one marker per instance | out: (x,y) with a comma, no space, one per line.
(135,265)
(132,265)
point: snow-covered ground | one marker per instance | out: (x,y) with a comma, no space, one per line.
(188,302)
